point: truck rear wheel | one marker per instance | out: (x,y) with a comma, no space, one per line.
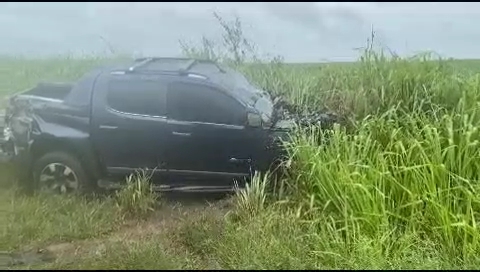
(60,173)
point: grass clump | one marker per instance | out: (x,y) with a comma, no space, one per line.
(252,199)
(137,198)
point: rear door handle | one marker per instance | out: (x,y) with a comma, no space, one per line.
(240,161)
(107,127)
(183,134)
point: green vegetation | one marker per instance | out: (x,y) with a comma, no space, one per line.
(397,188)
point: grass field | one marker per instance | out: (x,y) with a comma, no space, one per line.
(398,188)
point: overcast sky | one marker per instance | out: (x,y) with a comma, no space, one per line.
(299,31)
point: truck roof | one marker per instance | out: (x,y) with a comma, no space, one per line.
(198,69)
(201,69)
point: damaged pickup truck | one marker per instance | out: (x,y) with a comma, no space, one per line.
(194,125)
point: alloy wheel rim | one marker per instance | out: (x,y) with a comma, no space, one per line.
(58,178)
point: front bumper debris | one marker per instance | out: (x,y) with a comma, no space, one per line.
(6,147)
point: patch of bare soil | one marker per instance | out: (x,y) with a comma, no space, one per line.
(164,221)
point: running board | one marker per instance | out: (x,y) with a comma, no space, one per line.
(108,185)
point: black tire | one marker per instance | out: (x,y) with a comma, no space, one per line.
(85,184)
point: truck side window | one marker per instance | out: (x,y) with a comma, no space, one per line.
(137,96)
(199,103)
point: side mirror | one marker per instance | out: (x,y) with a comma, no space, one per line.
(254,120)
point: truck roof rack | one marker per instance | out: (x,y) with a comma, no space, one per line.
(189,63)
(139,63)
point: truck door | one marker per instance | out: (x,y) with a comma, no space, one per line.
(208,137)
(129,123)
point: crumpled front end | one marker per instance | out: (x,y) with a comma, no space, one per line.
(287,118)
(287,113)
(15,143)
(6,143)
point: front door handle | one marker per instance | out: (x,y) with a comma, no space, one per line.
(183,134)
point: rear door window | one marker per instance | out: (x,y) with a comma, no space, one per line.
(137,95)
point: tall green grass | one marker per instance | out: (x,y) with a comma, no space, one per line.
(408,168)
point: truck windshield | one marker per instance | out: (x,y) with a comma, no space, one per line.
(258,99)
(250,94)
(264,105)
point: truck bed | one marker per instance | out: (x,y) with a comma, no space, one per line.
(57,91)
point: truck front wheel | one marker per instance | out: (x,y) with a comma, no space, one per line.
(60,173)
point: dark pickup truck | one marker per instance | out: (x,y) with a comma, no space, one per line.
(195,125)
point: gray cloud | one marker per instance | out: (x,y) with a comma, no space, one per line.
(306,14)
(327,22)
(300,31)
